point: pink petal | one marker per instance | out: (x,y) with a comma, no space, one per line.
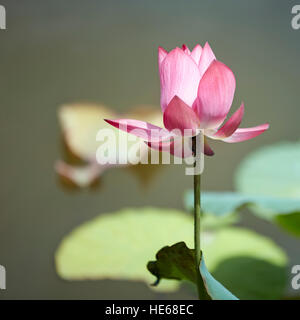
(183,151)
(179,75)
(231,124)
(215,95)
(207,149)
(80,176)
(141,129)
(162,53)
(196,53)
(186,49)
(207,57)
(179,115)
(243,134)
(174,147)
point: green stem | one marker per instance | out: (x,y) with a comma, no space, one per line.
(202,294)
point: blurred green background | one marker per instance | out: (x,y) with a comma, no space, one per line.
(56,52)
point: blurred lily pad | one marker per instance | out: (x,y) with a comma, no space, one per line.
(119,245)
(273,174)
(290,222)
(218,208)
(252,278)
(272,170)
(225,204)
(80,123)
(239,257)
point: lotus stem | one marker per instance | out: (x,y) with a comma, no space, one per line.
(202,294)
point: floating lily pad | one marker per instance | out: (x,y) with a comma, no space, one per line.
(290,222)
(273,174)
(216,212)
(119,245)
(225,204)
(272,170)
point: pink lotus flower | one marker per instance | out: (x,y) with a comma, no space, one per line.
(196,93)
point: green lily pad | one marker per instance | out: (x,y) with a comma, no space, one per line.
(290,222)
(251,266)
(252,278)
(119,245)
(225,204)
(272,170)
(273,174)
(217,211)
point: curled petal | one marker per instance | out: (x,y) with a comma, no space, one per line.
(231,124)
(207,57)
(196,54)
(178,115)
(179,75)
(243,134)
(215,95)
(141,129)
